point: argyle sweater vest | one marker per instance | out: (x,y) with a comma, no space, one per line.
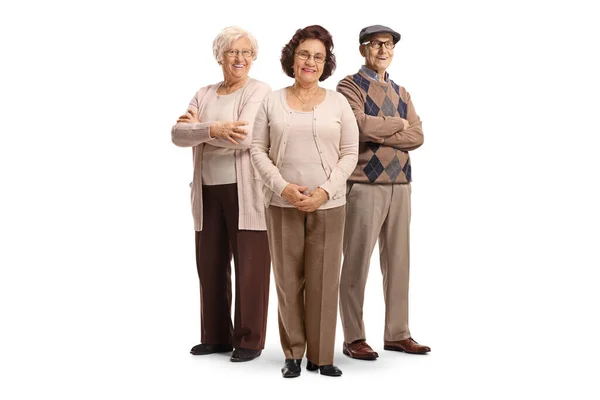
(377,162)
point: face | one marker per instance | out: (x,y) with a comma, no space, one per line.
(309,71)
(378,59)
(236,67)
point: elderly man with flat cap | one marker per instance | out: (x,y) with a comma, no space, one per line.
(378,196)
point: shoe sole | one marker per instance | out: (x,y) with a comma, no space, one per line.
(347,353)
(401,350)
(317,370)
(242,359)
(212,352)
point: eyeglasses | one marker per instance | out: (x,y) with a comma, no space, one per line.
(234,53)
(376,44)
(305,55)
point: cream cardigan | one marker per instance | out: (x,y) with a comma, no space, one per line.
(250,196)
(338,156)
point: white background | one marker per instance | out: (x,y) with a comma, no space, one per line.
(98,288)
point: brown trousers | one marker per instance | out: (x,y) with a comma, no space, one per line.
(306,249)
(376,212)
(219,239)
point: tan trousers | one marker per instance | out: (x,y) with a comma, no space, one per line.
(306,251)
(372,212)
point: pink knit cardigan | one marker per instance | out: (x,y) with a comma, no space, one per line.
(250,194)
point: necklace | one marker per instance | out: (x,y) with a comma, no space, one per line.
(304,103)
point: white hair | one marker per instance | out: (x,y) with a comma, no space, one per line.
(225,39)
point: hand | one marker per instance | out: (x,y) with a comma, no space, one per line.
(314,201)
(406,123)
(293,193)
(190,117)
(228,130)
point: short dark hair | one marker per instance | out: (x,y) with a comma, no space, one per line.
(310,32)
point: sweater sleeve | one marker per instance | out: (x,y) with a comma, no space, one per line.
(188,135)
(249,108)
(259,151)
(409,138)
(348,150)
(371,128)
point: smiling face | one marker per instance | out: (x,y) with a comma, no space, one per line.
(307,72)
(236,67)
(378,59)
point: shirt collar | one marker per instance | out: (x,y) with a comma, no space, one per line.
(372,74)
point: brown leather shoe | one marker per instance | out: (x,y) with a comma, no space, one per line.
(407,346)
(360,350)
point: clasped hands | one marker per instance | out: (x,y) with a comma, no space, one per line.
(308,203)
(219,129)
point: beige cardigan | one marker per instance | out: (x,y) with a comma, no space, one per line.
(338,157)
(250,196)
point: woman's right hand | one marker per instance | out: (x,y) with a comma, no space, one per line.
(228,130)
(293,193)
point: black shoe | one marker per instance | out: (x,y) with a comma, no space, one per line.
(241,355)
(202,349)
(328,370)
(291,368)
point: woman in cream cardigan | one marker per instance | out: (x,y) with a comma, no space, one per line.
(304,148)
(227,202)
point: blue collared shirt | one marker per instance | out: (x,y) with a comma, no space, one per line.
(372,74)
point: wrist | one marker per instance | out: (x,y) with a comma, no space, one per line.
(324,193)
(215,130)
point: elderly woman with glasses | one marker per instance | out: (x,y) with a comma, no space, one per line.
(304,148)
(227,202)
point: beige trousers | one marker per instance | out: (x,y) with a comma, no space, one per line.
(306,251)
(376,212)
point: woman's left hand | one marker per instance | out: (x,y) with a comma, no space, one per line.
(316,198)
(190,117)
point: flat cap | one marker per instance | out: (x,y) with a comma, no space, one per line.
(373,29)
